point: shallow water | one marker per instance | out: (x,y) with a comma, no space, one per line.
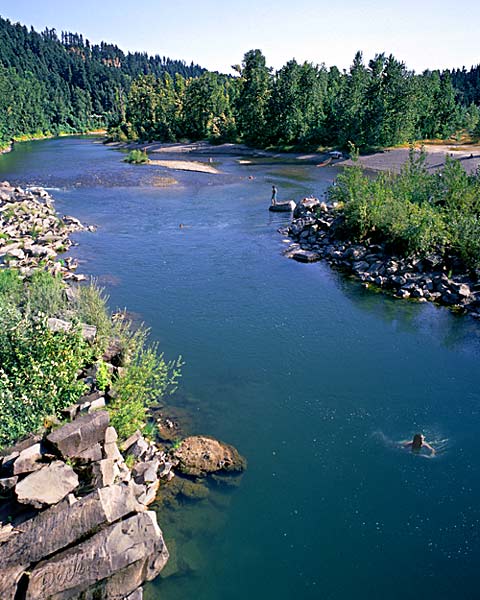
(307,373)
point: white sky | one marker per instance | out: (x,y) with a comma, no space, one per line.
(217,33)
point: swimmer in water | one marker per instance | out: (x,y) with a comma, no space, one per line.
(418,443)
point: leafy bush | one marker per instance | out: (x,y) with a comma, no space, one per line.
(38,371)
(145,380)
(137,157)
(417,211)
(103,376)
(39,368)
(11,286)
(91,307)
(46,294)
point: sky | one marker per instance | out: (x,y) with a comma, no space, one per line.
(217,33)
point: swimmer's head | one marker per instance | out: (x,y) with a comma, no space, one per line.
(418,440)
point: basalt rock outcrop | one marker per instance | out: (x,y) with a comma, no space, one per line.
(316,233)
(76,525)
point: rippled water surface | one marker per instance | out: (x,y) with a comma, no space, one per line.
(313,378)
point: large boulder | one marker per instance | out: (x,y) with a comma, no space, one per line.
(75,437)
(199,455)
(48,486)
(47,533)
(106,553)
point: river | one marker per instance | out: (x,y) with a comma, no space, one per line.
(312,377)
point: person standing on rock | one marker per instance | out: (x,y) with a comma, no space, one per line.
(274,195)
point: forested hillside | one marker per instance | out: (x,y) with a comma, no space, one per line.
(51,85)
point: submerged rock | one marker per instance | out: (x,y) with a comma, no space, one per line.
(199,455)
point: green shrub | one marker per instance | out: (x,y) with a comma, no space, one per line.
(38,368)
(137,157)
(45,294)
(145,380)
(103,377)
(11,286)
(91,307)
(38,372)
(417,211)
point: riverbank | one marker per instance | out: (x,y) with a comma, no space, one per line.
(46,136)
(393,159)
(44,483)
(316,231)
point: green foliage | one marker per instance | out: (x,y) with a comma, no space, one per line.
(46,294)
(146,379)
(38,372)
(38,368)
(103,376)
(418,211)
(137,157)
(50,85)
(11,286)
(91,307)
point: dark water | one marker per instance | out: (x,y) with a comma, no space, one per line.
(309,375)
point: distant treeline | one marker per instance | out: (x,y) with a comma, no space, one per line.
(375,105)
(51,84)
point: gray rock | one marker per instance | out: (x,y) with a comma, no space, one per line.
(139,448)
(56,325)
(47,486)
(28,460)
(75,437)
(7,484)
(146,472)
(47,532)
(16,253)
(105,472)
(110,435)
(89,332)
(360,266)
(130,441)
(111,451)
(106,553)
(450,298)
(305,256)
(9,578)
(97,404)
(92,454)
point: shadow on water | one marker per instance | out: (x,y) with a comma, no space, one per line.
(454,331)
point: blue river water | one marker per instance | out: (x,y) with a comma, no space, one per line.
(312,377)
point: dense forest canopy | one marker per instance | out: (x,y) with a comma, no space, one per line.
(371,105)
(51,84)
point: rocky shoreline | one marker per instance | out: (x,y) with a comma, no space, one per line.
(315,230)
(74,518)
(32,235)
